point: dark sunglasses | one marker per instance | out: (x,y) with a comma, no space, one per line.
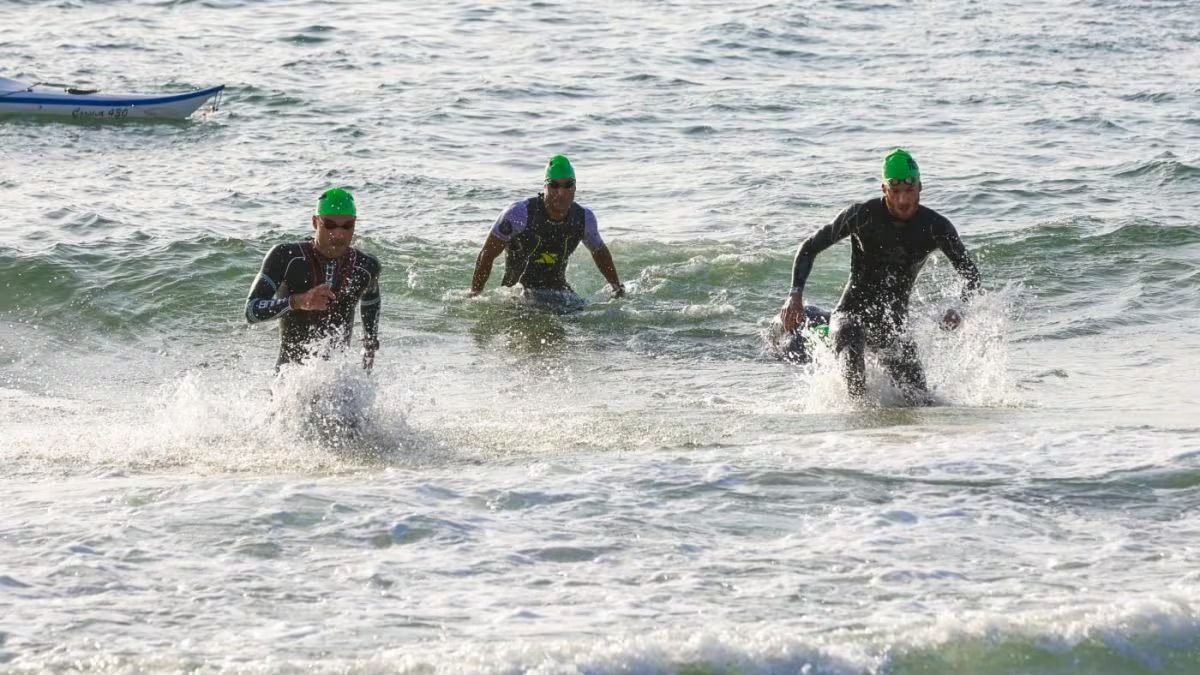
(560,185)
(911,180)
(330,225)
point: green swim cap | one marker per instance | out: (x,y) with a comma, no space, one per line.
(900,165)
(559,167)
(336,202)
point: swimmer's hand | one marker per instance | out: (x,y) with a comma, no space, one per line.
(792,314)
(951,320)
(314,300)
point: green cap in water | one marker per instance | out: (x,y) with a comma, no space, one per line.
(899,165)
(559,167)
(336,202)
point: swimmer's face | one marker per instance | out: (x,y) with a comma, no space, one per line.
(333,233)
(560,192)
(902,198)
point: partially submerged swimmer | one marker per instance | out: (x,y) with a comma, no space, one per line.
(796,345)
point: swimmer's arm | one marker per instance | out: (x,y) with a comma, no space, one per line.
(370,306)
(952,246)
(370,318)
(604,262)
(511,222)
(261,303)
(827,236)
(600,253)
(792,314)
(492,248)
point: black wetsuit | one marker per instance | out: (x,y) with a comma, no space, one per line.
(886,256)
(288,269)
(537,255)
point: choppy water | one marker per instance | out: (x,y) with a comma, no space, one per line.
(635,487)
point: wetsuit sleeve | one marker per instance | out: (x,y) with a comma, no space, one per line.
(370,305)
(950,244)
(591,232)
(513,221)
(841,227)
(261,304)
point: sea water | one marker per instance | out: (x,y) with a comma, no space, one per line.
(633,487)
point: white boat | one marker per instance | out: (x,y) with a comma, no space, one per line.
(23,98)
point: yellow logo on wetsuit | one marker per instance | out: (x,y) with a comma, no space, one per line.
(548,258)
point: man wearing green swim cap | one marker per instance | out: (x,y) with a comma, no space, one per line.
(892,236)
(540,234)
(314,286)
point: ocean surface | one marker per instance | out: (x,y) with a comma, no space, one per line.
(636,487)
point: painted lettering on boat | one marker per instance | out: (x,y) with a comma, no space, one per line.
(103,112)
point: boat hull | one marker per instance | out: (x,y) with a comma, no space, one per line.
(40,101)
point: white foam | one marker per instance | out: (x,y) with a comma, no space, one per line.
(312,417)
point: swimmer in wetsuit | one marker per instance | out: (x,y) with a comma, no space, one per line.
(892,237)
(540,234)
(313,287)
